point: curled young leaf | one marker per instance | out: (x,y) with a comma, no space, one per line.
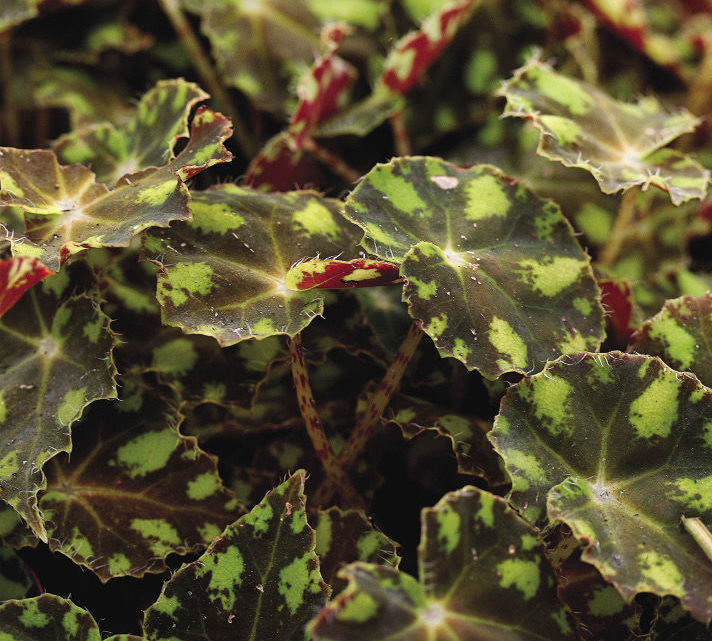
(258,580)
(617,447)
(493,271)
(404,67)
(17,275)
(224,274)
(621,144)
(475,554)
(55,360)
(330,273)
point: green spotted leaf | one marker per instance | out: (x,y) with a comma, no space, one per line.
(14,579)
(259,580)
(475,555)
(224,273)
(346,536)
(14,532)
(681,335)
(86,100)
(46,618)
(600,611)
(673,623)
(467,434)
(55,359)
(145,140)
(493,272)
(134,490)
(621,144)
(124,637)
(617,447)
(67,211)
(262,47)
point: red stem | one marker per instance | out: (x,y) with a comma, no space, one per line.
(367,421)
(307,406)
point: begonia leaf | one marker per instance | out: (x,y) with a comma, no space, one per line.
(653,255)
(673,623)
(493,271)
(475,555)
(467,434)
(14,579)
(262,46)
(681,335)
(66,210)
(113,35)
(258,580)
(145,140)
(621,144)
(616,446)
(87,100)
(224,273)
(346,536)
(17,275)
(14,532)
(55,360)
(46,618)
(600,611)
(134,490)
(124,637)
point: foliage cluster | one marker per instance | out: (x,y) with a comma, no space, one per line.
(360,320)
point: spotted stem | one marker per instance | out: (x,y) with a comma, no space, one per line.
(315,430)
(366,421)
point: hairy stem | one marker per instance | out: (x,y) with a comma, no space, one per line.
(307,406)
(10,118)
(206,71)
(332,161)
(698,531)
(624,219)
(367,421)
(401,138)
